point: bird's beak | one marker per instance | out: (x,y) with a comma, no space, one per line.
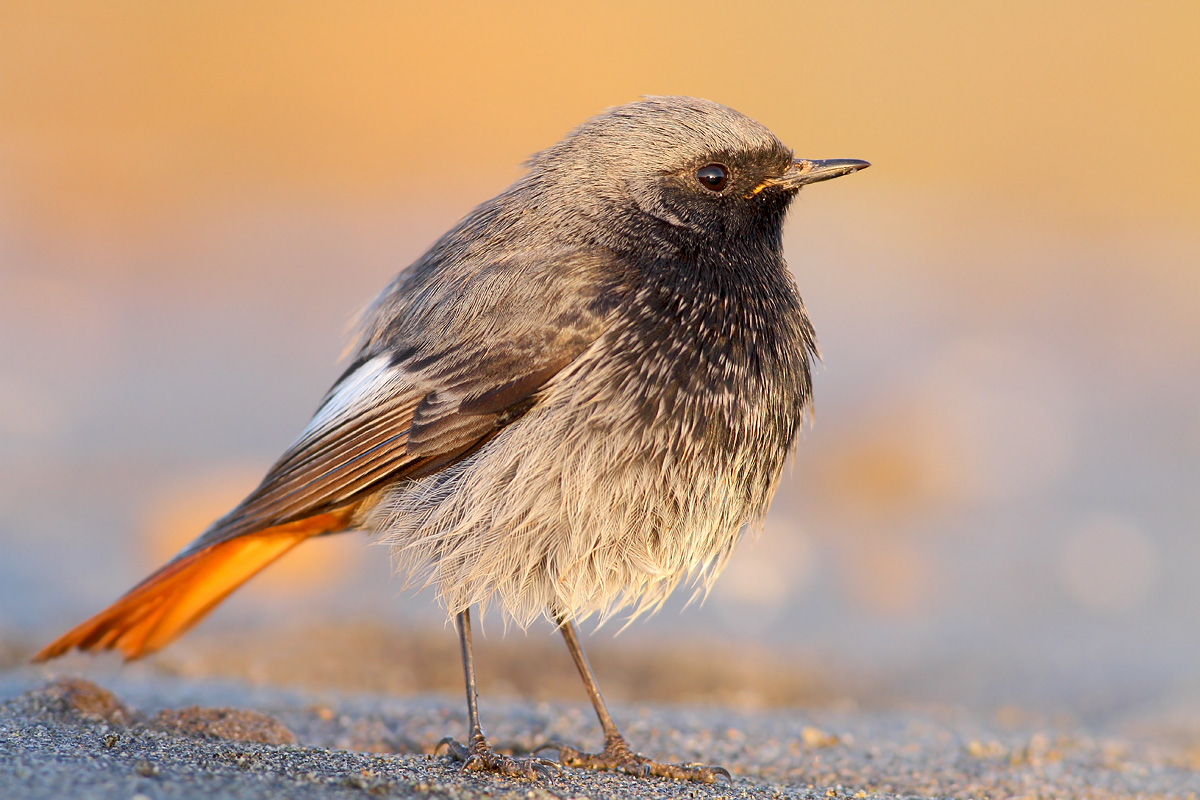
(803,171)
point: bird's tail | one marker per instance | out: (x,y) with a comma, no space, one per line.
(182,592)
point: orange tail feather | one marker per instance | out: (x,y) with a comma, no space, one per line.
(179,595)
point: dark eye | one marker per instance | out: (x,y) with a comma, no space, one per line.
(713,177)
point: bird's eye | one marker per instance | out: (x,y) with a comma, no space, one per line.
(713,177)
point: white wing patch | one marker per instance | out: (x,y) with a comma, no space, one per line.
(367,387)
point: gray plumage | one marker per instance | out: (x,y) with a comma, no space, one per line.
(582,394)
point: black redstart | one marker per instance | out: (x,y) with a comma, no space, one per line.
(579,397)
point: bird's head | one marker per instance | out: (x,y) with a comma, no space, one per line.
(676,171)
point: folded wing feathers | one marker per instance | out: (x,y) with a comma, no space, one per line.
(380,422)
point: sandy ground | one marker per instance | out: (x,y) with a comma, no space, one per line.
(170,729)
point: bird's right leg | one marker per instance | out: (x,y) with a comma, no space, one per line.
(617,755)
(478,754)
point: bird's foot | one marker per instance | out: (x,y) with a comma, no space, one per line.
(480,756)
(617,756)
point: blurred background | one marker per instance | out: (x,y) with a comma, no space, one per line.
(998,504)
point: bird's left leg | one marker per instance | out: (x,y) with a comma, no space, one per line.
(478,754)
(617,754)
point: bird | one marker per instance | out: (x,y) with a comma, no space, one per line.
(579,398)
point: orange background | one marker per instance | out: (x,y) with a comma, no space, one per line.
(118,111)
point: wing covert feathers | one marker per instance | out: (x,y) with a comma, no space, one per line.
(180,594)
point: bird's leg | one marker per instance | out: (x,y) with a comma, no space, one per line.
(478,754)
(617,754)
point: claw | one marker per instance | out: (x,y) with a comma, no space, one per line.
(717,771)
(544,767)
(455,750)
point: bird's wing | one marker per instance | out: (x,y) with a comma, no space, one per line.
(413,403)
